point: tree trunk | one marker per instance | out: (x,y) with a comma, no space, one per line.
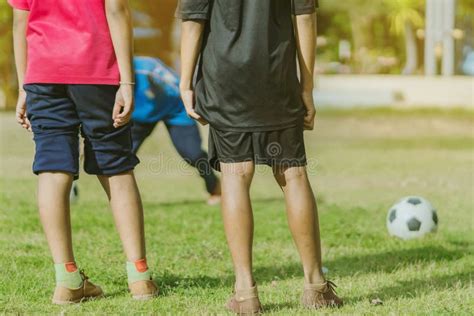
(361,39)
(411,64)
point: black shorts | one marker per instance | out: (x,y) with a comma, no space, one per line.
(274,148)
(58,111)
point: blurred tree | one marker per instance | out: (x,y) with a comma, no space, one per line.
(361,16)
(376,25)
(376,28)
(464,36)
(7,74)
(466,7)
(157,15)
(405,17)
(361,13)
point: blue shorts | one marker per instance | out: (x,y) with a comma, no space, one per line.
(58,111)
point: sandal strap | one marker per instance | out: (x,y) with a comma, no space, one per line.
(322,287)
(245,294)
(83,275)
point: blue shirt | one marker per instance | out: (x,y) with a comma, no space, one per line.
(156,91)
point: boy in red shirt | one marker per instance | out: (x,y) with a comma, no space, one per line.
(74,64)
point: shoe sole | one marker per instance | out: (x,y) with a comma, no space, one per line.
(240,312)
(245,313)
(315,307)
(144,297)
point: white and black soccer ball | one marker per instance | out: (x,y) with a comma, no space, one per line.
(412,217)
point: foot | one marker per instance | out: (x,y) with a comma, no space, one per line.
(215,197)
(74,194)
(245,302)
(214,200)
(88,290)
(143,290)
(320,295)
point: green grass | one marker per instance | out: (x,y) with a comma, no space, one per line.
(362,161)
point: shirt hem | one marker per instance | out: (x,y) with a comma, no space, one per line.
(262,128)
(193,16)
(72,80)
(305,10)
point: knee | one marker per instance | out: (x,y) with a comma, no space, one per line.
(194,157)
(56,178)
(238,171)
(292,174)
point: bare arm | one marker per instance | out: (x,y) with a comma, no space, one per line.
(120,25)
(305,30)
(191,41)
(20,23)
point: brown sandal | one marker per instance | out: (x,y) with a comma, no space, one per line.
(143,290)
(320,295)
(88,290)
(245,302)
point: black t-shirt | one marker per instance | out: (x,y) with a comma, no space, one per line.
(247,76)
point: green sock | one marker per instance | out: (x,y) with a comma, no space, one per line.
(68,275)
(138,271)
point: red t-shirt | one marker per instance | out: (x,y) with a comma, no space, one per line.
(69,42)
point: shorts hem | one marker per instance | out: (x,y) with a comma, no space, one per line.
(283,162)
(215,162)
(74,173)
(110,173)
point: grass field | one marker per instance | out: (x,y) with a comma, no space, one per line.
(361,163)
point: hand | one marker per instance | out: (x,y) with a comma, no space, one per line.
(21,117)
(123,107)
(188,99)
(310,116)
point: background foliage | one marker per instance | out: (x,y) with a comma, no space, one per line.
(375,30)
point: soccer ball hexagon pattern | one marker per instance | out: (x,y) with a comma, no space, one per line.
(412,217)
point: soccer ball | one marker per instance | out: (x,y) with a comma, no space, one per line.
(412,217)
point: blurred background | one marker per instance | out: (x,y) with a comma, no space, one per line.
(406,39)
(394,89)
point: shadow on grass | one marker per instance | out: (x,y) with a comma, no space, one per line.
(113,294)
(388,262)
(202,202)
(275,307)
(416,287)
(170,283)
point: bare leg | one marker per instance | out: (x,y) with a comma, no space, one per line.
(53,204)
(303,219)
(126,204)
(238,218)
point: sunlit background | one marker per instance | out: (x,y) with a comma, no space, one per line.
(394,89)
(357,37)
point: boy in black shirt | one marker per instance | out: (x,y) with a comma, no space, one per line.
(247,89)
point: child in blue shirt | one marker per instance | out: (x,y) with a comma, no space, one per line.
(157,99)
